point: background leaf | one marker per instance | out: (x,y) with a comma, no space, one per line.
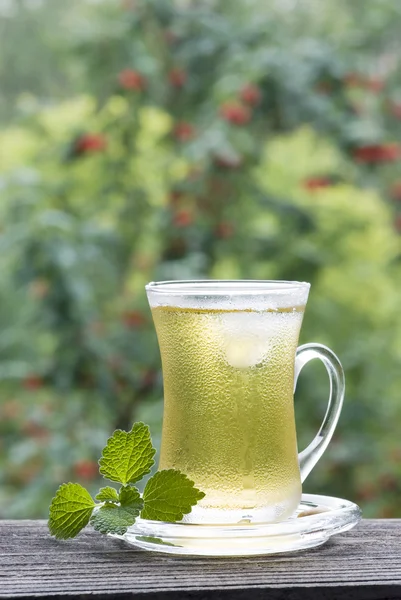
(150,140)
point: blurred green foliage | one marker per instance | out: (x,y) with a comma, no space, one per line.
(172,140)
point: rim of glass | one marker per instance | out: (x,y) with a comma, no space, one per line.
(225,286)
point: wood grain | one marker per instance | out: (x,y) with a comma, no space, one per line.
(363,564)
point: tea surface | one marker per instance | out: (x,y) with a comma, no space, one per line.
(228,414)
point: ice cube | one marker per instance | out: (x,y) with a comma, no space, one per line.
(247,338)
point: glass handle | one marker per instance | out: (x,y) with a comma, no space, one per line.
(309,457)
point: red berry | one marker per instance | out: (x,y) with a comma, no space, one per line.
(225,230)
(33,382)
(132,80)
(315,183)
(183,218)
(90,142)
(377,153)
(183,131)
(236,113)
(133,319)
(251,94)
(86,469)
(177,77)
(390,152)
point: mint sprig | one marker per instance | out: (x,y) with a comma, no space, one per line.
(126,458)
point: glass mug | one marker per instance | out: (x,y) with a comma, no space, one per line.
(230,359)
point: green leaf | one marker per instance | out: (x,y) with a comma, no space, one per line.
(130,496)
(70,511)
(111,518)
(168,496)
(128,456)
(107,494)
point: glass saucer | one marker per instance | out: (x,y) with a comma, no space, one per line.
(315,521)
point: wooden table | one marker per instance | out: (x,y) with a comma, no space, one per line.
(363,564)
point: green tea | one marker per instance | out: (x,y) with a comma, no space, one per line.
(228,408)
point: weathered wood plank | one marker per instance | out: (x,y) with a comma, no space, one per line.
(363,564)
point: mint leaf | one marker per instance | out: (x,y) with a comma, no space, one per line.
(128,456)
(111,518)
(107,494)
(168,496)
(70,511)
(130,495)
